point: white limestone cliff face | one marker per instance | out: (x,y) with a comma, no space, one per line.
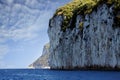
(42,61)
(95,46)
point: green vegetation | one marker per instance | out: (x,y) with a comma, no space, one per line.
(47,46)
(115,2)
(74,7)
(81,25)
(82,7)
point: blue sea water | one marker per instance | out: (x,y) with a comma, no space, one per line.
(44,74)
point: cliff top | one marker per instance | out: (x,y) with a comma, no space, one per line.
(47,46)
(81,7)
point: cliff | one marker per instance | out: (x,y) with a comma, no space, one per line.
(85,34)
(42,61)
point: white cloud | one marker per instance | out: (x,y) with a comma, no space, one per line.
(22,20)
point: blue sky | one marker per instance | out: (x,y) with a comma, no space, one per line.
(23,30)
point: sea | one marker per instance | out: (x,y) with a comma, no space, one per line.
(46,74)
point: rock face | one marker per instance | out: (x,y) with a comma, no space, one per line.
(91,42)
(42,61)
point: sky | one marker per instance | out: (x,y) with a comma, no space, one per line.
(23,30)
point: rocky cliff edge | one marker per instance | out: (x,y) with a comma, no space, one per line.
(85,34)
